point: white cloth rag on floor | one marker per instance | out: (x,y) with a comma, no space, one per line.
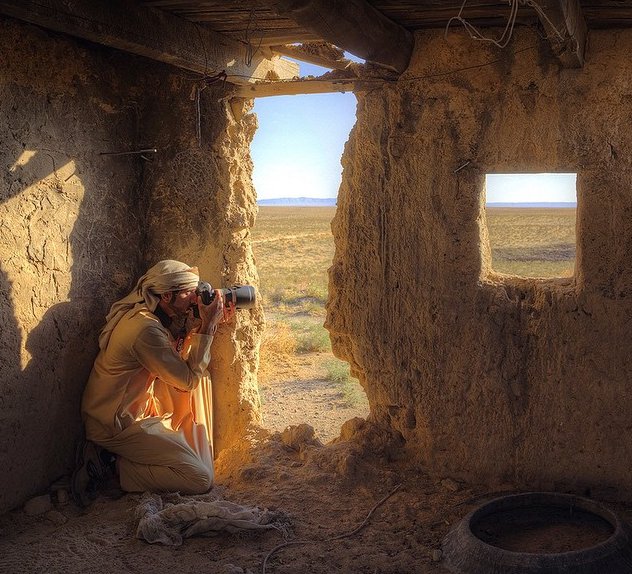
(170,518)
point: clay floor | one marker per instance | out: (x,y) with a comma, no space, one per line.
(323,492)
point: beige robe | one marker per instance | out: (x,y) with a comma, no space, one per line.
(153,406)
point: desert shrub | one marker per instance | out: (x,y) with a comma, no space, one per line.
(338,371)
(311,337)
(278,339)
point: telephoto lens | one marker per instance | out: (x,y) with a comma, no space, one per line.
(244,296)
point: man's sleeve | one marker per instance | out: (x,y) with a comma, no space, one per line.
(154,351)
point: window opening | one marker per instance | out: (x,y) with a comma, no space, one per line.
(296,153)
(531,221)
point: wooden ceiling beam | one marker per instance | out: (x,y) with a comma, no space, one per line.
(154,34)
(354,26)
(300,87)
(566,29)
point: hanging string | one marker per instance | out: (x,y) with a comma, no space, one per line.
(196,92)
(504,39)
(198,116)
(250,50)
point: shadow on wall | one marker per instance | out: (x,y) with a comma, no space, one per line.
(54,245)
(36,410)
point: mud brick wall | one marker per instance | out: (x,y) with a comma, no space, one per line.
(489,378)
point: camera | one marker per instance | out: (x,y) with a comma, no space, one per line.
(242,296)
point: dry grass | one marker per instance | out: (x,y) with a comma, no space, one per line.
(293,248)
(532,242)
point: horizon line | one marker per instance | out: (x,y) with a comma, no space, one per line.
(488,204)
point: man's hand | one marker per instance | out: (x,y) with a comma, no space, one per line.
(211,314)
(229,311)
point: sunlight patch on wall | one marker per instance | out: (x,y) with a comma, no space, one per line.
(24,158)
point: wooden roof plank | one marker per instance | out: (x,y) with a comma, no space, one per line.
(153,34)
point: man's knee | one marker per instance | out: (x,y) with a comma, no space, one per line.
(197,475)
(200,481)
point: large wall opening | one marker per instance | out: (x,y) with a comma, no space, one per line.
(531,223)
(296,153)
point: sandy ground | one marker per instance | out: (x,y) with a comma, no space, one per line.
(300,395)
(344,515)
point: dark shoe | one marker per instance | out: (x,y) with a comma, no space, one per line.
(89,474)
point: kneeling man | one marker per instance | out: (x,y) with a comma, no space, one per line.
(147,407)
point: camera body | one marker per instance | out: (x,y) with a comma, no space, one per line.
(243,296)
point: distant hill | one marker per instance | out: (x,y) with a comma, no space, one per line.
(539,205)
(298,201)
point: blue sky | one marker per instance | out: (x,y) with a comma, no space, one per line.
(531,188)
(300,141)
(299,144)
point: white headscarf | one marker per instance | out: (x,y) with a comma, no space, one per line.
(167,275)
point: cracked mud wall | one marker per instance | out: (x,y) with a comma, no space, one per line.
(77,228)
(488,378)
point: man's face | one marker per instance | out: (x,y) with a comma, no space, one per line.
(180,302)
